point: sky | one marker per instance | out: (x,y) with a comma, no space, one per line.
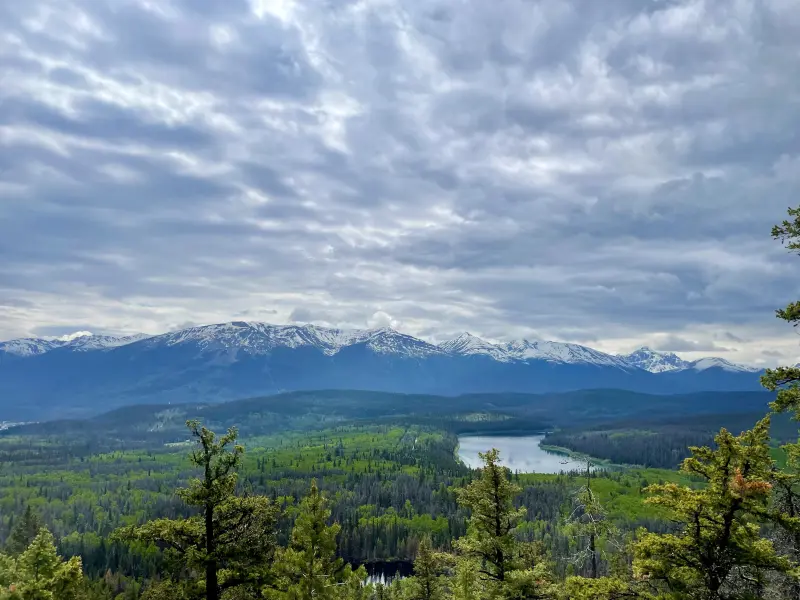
(605,173)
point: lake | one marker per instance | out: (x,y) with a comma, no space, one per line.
(518,453)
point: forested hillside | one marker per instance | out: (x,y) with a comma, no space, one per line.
(313,514)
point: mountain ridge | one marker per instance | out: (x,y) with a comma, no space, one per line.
(45,379)
(260,338)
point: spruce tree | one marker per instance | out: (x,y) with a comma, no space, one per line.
(465,583)
(503,571)
(24,532)
(786,380)
(40,574)
(589,526)
(309,567)
(490,534)
(231,542)
(428,582)
(719,550)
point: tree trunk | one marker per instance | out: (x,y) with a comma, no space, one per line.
(212,584)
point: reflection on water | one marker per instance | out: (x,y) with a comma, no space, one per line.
(518,453)
(384,572)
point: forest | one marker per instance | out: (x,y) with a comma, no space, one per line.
(178,503)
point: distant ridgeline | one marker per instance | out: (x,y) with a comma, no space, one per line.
(586,411)
(42,379)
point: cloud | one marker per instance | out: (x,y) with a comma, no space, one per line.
(674,343)
(567,170)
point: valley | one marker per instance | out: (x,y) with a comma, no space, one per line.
(394,481)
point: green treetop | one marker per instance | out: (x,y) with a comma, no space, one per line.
(719,550)
(40,574)
(309,568)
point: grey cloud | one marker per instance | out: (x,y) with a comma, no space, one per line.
(16,303)
(675,343)
(301,315)
(732,337)
(561,169)
(101,120)
(183,325)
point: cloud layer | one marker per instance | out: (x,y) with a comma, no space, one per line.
(604,173)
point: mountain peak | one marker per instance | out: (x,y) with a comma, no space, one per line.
(467,344)
(655,361)
(721,363)
(561,352)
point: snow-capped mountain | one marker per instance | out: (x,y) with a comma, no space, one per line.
(720,363)
(258,339)
(81,341)
(81,373)
(85,343)
(29,346)
(261,339)
(655,361)
(562,353)
(663,362)
(467,344)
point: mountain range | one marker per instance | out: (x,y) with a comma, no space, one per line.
(83,373)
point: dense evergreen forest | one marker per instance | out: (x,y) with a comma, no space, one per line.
(305,504)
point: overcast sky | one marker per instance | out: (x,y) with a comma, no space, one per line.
(604,173)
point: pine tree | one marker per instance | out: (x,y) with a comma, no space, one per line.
(40,574)
(465,583)
(490,541)
(490,537)
(589,526)
(428,582)
(309,567)
(232,542)
(24,532)
(719,551)
(786,380)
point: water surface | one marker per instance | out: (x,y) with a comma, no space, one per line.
(518,453)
